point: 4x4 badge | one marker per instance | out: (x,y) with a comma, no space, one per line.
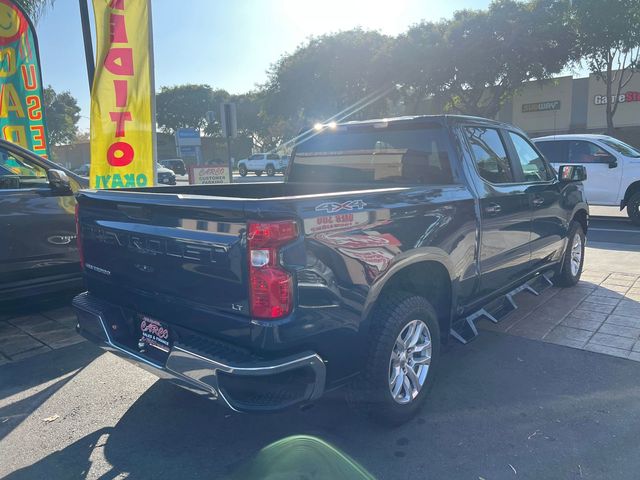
(334,207)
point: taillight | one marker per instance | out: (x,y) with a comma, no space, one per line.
(79,238)
(271,286)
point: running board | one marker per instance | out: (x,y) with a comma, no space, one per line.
(495,311)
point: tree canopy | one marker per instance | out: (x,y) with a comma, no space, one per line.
(62,114)
(340,75)
(471,63)
(475,61)
(35,8)
(608,39)
(186,106)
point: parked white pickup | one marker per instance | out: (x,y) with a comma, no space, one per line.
(613,168)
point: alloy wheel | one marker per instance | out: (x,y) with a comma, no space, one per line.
(409,362)
(576,255)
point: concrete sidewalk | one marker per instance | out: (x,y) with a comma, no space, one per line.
(36,331)
(601,314)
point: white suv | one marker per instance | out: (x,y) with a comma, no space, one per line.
(613,168)
(270,163)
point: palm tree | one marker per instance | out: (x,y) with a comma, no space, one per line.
(35,8)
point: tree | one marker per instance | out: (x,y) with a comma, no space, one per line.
(609,42)
(338,75)
(265,132)
(420,65)
(83,137)
(475,62)
(62,114)
(35,8)
(186,106)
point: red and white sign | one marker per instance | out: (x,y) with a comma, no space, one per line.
(331,223)
(154,334)
(627,97)
(209,175)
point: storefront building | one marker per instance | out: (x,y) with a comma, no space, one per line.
(574,105)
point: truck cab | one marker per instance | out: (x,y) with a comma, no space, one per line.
(612,166)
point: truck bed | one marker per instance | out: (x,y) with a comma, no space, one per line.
(179,253)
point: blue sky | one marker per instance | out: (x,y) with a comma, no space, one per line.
(225,43)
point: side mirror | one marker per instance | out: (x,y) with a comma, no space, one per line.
(611,160)
(59,181)
(572,173)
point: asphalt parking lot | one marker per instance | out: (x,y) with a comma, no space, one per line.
(519,402)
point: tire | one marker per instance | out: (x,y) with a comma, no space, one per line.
(571,267)
(270,171)
(633,208)
(386,359)
(258,172)
(242,170)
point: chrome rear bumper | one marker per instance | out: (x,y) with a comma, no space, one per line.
(242,384)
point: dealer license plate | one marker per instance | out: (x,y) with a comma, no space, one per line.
(154,334)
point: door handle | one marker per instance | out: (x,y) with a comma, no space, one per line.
(538,201)
(493,209)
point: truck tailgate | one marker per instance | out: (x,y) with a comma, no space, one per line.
(160,257)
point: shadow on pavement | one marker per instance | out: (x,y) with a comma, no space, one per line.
(67,363)
(16,308)
(501,405)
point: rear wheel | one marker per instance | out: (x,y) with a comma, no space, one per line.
(403,351)
(242,170)
(573,260)
(258,172)
(271,171)
(633,208)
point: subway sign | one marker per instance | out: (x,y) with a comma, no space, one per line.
(622,98)
(541,106)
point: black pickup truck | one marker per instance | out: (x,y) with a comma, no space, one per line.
(388,238)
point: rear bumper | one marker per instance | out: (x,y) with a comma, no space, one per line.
(241,381)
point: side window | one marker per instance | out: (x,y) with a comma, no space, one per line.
(490,155)
(554,152)
(581,151)
(17,171)
(256,157)
(273,156)
(533,165)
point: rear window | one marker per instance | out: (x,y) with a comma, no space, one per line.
(396,155)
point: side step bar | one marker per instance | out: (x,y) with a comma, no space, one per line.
(466,330)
